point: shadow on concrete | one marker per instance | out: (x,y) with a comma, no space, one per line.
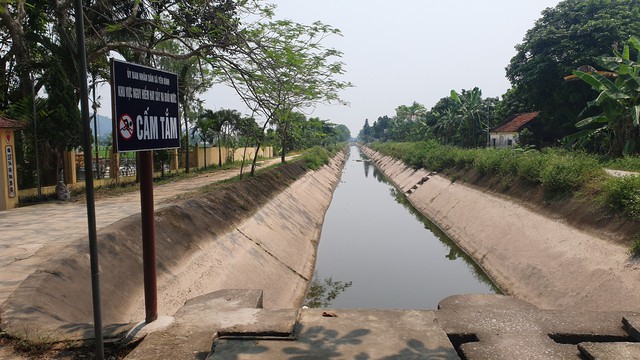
(319,341)
(416,349)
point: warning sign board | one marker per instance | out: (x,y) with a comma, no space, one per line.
(145,107)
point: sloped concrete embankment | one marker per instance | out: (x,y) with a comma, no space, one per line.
(261,233)
(529,255)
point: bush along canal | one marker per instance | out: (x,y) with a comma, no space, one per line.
(377,251)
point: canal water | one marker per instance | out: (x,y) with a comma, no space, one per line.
(393,257)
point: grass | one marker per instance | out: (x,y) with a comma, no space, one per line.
(635,247)
(314,158)
(47,346)
(561,173)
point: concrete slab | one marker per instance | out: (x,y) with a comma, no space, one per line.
(606,351)
(351,334)
(221,313)
(632,325)
(519,347)
(511,329)
(143,329)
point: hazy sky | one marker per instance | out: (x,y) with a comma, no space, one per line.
(397,52)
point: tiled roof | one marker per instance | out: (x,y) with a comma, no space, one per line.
(514,123)
(10,124)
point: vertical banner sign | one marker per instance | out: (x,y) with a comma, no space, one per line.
(145,107)
(11,174)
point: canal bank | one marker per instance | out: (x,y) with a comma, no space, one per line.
(259,233)
(530,255)
(389,254)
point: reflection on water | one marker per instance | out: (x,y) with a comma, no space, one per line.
(392,257)
(322,292)
(454,251)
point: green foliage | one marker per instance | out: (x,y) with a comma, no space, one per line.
(491,161)
(622,195)
(460,119)
(627,163)
(316,157)
(635,246)
(619,100)
(560,172)
(564,173)
(529,167)
(570,35)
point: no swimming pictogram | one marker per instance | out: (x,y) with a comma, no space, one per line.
(125,127)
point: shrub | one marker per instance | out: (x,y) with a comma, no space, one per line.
(489,161)
(316,157)
(462,158)
(623,195)
(635,246)
(529,166)
(628,163)
(563,174)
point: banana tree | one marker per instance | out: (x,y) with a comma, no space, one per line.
(618,99)
(473,113)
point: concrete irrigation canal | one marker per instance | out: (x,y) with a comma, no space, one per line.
(235,263)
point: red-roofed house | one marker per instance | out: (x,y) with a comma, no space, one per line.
(8,180)
(507,134)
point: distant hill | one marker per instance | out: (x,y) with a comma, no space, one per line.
(104,127)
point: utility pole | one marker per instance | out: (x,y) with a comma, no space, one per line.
(88,171)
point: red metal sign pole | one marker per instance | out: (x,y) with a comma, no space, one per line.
(148,236)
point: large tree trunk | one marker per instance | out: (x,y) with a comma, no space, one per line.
(19,43)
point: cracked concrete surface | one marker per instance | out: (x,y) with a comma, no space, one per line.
(50,289)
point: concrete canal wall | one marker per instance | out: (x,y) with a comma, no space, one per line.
(533,256)
(261,233)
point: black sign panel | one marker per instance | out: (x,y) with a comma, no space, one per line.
(145,107)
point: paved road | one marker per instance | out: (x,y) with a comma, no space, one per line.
(25,231)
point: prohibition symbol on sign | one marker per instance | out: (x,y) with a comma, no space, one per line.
(125,127)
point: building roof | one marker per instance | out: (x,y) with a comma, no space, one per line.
(515,122)
(6,123)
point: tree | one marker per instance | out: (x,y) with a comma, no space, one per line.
(342,133)
(62,128)
(226,120)
(619,100)
(474,117)
(220,124)
(412,112)
(204,128)
(250,133)
(365,134)
(380,128)
(572,34)
(42,32)
(282,68)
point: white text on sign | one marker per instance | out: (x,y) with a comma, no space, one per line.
(150,127)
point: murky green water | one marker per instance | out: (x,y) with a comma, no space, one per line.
(394,257)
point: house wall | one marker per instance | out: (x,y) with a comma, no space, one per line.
(499,140)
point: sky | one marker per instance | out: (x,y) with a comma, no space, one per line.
(398,52)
